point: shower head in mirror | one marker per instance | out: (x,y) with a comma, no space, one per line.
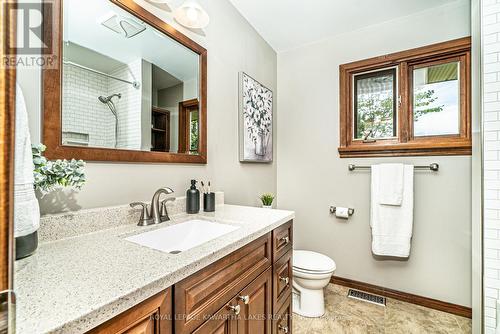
(108,99)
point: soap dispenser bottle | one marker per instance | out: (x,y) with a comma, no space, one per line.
(193,199)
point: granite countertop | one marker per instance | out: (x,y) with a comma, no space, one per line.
(73,284)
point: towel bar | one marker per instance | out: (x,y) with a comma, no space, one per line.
(433,167)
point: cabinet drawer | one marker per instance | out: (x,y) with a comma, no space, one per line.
(282,240)
(282,280)
(202,294)
(283,319)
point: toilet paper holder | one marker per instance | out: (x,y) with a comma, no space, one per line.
(333,210)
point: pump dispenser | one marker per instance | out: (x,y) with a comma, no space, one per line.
(193,199)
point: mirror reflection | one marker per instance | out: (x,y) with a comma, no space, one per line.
(125,84)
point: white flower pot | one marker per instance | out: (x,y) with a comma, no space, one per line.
(267,206)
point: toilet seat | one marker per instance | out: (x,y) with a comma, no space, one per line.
(311,276)
(309,272)
(308,262)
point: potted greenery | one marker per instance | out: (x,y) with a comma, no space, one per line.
(267,200)
(48,176)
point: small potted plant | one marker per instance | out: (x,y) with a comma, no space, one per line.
(267,200)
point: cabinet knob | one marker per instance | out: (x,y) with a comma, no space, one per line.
(286,280)
(284,329)
(244,299)
(285,239)
(236,309)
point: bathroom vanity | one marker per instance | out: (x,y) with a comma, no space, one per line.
(237,294)
(100,282)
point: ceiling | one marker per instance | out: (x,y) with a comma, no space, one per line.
(162,79)
(287,24)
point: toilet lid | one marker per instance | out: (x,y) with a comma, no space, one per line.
(309,261)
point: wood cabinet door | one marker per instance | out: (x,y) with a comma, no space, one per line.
(223,322)
(256,306)
(147,326)
(153,316)
(204,293)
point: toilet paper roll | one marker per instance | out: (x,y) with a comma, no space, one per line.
(342,212)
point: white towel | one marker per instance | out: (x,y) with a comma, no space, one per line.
(26,209)
(392,226)
(390,191)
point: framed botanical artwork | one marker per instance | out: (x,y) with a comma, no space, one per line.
(256,120)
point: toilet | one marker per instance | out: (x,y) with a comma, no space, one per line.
(311,274)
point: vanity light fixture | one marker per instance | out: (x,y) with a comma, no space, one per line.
(191,15)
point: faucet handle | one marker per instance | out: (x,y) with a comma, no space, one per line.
(145,218)
(163,210)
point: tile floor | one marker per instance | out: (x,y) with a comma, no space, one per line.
(350,316)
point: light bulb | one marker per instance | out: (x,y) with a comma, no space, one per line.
(192,14)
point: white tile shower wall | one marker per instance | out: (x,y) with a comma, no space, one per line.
(491,144)
(129,106)
(83,113)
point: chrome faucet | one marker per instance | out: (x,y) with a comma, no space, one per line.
(158,213)
(155,206)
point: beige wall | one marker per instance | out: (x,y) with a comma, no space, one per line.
(311,176)
(233,46)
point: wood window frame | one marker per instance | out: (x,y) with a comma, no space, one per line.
(185,108)
(406,144)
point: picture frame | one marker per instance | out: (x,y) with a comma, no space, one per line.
(255,121)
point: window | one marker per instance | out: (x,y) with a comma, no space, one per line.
(375,105)
(414,102)
(436,99)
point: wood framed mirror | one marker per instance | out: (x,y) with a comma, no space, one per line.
(126,87)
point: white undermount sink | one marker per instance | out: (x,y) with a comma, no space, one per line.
(183,236)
